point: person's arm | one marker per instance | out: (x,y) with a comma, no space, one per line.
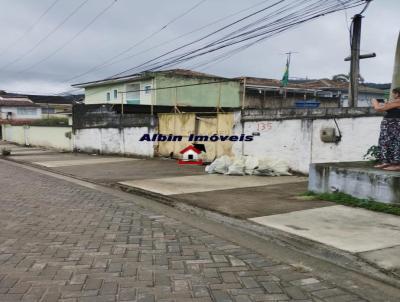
(382,107)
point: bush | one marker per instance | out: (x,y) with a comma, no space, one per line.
(51,121)
(373,153)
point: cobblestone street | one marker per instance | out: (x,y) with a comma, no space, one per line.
(60,241)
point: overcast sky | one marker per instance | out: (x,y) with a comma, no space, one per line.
(321,44)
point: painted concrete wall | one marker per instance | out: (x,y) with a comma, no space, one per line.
(298,141)
(358,135)
(98,95)
(200,95)
(359,181)
(15,134)
(53,137)
(114,141)
(49,137)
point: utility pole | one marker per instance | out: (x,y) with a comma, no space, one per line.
(355,58)
(355,61)
(396,70)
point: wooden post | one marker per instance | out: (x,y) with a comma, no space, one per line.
(219,98)
(176,100)
(122,103)
(244,93)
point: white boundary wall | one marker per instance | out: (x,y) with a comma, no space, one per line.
(41,136)
(298,142)
(114,141)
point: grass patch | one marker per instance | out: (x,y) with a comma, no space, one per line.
(348,200)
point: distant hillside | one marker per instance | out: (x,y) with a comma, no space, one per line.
(384,86)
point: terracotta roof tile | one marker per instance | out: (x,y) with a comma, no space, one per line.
(16,102)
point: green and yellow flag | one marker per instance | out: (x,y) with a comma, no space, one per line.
(285,78)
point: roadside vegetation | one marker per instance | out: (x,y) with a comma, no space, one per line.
(51,121)
(348,200)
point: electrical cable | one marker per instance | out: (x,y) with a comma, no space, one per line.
(136,67)
(140,42)
(328,10)
(70,40)
(36,45)
(200,39)
(31,27)
(252,35)
(111,61)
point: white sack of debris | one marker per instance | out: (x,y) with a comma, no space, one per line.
(248,165)
(219,165)
(237,167)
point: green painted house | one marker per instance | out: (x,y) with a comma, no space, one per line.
(177,87)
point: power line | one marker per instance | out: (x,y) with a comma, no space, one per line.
(197,40)
(280,30)
(102,12)
(29,29)
(30,50)
(312,11)
(256,33)
(181,86)
(222,57)
(247,35)
(140,42)
(111,61)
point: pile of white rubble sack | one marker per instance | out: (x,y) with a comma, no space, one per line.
(248,165)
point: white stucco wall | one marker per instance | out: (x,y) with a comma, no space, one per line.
(15,134)
(298,141)
(49,137)
(295,141)
(114,141)
(132,144)
(358,134)
(53,137)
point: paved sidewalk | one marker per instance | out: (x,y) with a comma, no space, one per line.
(60,241)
